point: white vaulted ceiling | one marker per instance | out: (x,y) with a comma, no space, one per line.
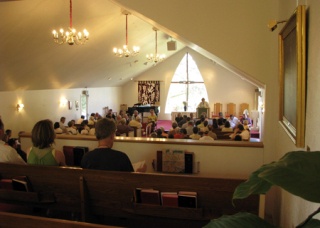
(30,60)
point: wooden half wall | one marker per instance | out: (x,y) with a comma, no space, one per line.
(221,159)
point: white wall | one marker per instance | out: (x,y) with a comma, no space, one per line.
(294,210)
(45,104)
(236,32)
(222,85)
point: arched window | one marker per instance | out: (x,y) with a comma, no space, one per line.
(187,85)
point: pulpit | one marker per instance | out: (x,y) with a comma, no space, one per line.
(203,110)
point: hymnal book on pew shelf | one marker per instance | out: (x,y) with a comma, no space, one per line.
(150,196)
(21,183)
(187,199)
(169,199)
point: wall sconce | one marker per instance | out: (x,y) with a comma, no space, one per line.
(63,102)
(20,107)
(76,103)
(70,105)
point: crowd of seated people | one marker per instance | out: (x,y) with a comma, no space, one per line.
(43,153)
(221,128)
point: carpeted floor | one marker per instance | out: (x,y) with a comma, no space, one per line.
(166,124)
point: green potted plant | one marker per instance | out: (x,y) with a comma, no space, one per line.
(293,170)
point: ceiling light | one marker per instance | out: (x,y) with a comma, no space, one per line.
(71,36)
(156,58)
(125,51)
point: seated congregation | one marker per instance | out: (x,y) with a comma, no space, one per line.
(184,127)
(104,188)
(188,127)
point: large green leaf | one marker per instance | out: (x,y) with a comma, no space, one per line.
(298,172)
(313,223)
(254,185)
(239,220)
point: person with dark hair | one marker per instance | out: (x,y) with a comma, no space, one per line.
(183,121)
(221,120)
(239,130)
(42,152)
(238,138)
(183,134)
(57,129)
(7,136)
(7,153)
(195,134)
(189,128)
(110,115)
(104,157)
(72,129)
(62,124)
(205,126)
(179,117)
(170,136)
(84,128)
(79,121)
(159,133)
(185,125)
(215,124)
(206,137)
(14,143)
(201,124)
(92,120)
(227,127)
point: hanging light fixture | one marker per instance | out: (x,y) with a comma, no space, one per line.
(156,58)
(125,52)
(71,36)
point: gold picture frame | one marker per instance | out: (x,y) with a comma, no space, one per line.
(292,71)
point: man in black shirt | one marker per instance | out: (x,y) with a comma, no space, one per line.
(103,157)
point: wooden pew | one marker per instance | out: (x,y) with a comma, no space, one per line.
(98,196)
(28,221)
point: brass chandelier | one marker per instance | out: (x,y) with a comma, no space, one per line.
(70,36)
(125,51)
(156,58)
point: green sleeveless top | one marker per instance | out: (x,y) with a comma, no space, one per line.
(44,156)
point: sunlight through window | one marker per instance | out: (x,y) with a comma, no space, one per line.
(187,87)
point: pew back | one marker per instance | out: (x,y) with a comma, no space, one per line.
(103,194)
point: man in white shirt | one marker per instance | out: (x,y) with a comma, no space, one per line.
(79,121)
(61,124)
(203,104)
(206,137)
(7,153)
(233,121)
(135,115)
